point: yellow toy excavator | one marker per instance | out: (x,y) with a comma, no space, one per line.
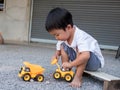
(60,73)
(31,71)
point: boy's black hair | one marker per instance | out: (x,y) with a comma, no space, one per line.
(58,18)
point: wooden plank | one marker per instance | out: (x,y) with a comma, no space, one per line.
(110,82)
(102,75)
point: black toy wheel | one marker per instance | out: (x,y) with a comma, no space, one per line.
(39,78)
(26,77)
(57,75)
(68,77)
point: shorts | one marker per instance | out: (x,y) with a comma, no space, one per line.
(93,63)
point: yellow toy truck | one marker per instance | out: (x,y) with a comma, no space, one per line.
(31,71)
(60,73)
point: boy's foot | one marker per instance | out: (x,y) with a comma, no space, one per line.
(76,83)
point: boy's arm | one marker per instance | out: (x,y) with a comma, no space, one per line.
(56,55)
(81,58)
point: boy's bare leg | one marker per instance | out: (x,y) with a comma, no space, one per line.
(64,56)
(77,81)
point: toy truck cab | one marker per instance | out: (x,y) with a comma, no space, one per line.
(31,71)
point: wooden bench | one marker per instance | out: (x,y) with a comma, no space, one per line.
(110,82)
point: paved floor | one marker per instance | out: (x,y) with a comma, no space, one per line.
(12,57)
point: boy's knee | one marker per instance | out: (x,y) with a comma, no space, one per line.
(62,50)
(63,53)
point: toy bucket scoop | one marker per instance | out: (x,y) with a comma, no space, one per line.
(54,61)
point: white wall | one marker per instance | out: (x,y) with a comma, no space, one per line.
(14,21)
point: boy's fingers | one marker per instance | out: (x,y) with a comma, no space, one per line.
(63,65)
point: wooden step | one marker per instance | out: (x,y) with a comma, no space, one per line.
(110,82)
(102,75)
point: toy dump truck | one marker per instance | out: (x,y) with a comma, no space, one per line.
(31,71)
(60,73)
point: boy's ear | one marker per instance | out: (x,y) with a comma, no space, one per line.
(68,27)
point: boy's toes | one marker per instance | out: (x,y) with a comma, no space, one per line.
(75,85)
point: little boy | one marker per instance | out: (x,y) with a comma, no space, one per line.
(76,47)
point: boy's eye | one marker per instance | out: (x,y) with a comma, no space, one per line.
(57,35)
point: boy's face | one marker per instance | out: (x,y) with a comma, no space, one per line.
(60,34)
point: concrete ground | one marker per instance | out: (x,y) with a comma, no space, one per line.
(12,57)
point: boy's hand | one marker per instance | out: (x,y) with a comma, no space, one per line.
(66,65)
(56,55)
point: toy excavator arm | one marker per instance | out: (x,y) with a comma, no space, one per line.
(55,61)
